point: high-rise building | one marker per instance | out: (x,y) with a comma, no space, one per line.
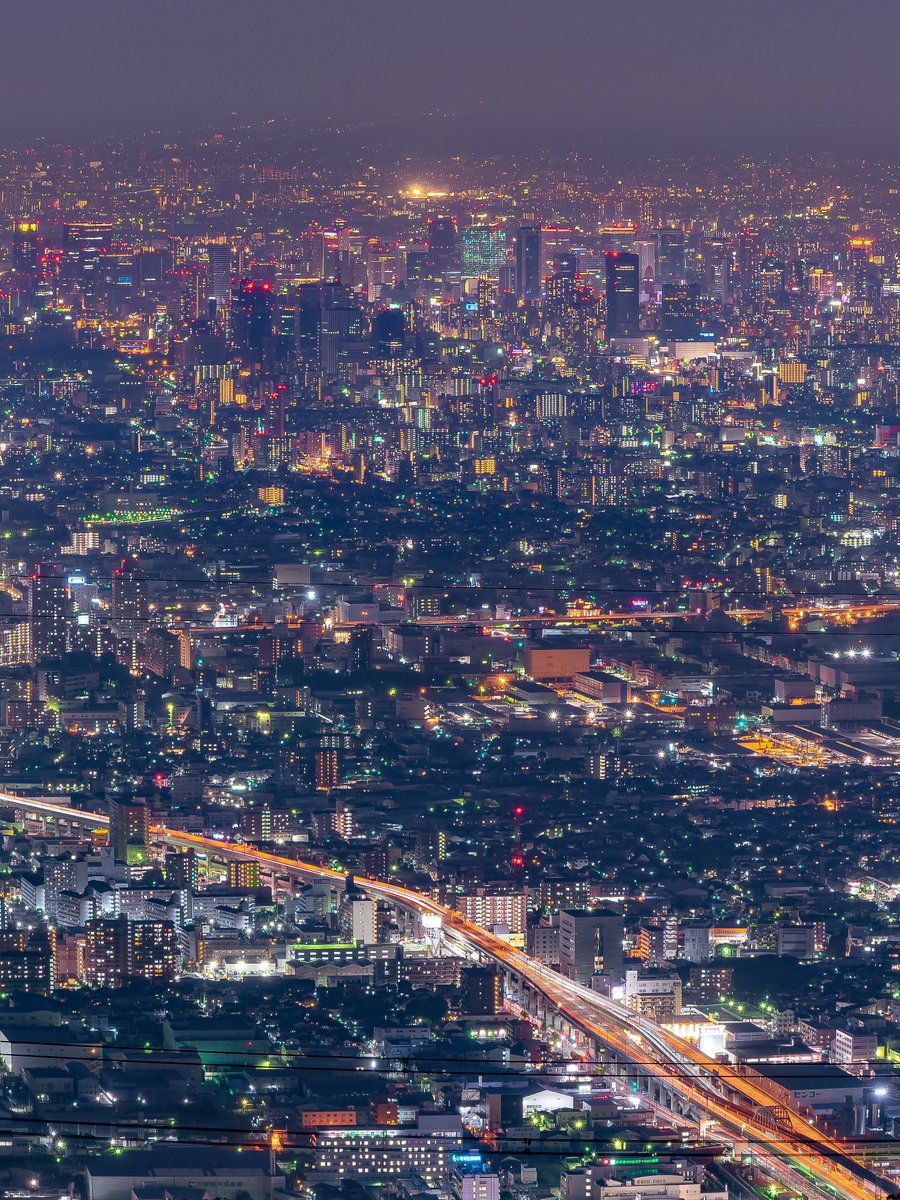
(388,328)
(750,255)
(182,870)
(129,828)
(117,950)
(680,313)
(623,283)
(152,950)
(106,951)
(670,256)
(483,249)
(84,242)
(482,991)
(590,943)
(555,240)
(327,769)
(528,263)
(130,605)
(251,318)
(443,244)
(28,959)
(26,259)
(361,649)
(488,908)
(245,876)
(218,279)
(49,612)
(358,917)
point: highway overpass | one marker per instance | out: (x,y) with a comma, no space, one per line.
(737,1101)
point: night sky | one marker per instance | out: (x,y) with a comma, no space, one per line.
(657,74)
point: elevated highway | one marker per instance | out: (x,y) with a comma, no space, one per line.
(739,1102)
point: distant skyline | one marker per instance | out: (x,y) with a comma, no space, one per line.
(655,75)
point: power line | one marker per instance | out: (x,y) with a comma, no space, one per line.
(580,1144)
(302,1061)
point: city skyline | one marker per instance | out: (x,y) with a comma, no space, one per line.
(450,601)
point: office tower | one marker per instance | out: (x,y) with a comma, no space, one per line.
(564,265)
(27,247)
(388,328)
(555,240)
(750,254)
(622,295)
(26,260)
(507,276)
(325,320)
(129,828)
(84,243)
(646,250)
(251,318)
(770,279)
(308,322)
(528,263)
(560,295)
(718,272)
(482,991)
(380,266)
(276,411)
(590,943)
(49,613)
(680,317)
(218,279)
(670,256)
(864,277)
(483,250)
(443,245)
(416,257)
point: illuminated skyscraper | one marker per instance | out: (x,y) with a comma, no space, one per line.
(218,281)
(84,242)
(670,260)
(680,315)
(129,594)
(750,254)
(622,295)
(528,263)
(251,318)
(443,244)
(483,249)
(49,612)
(555,240)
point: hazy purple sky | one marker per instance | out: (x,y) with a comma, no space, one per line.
(670,73)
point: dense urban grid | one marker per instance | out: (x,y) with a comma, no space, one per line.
(449,675)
